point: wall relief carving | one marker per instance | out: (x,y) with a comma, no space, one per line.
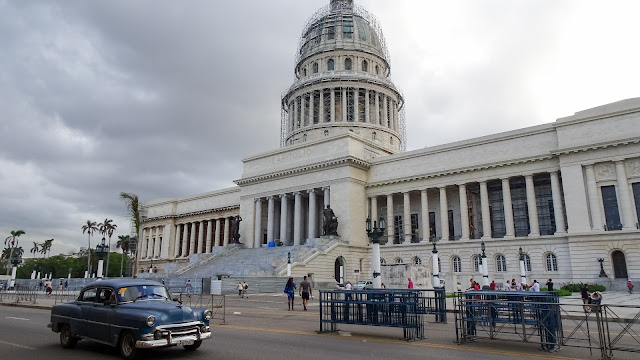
(633,167)
(605,172)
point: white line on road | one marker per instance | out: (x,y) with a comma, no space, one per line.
(16,318)
(16,345)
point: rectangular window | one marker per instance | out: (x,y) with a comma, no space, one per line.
(415,234)
(636,198)
(347,29)
(398,230)
(432,226)
(544,204)
(519,204)
(331,33)
(452,235)
(496,209)
(610,204)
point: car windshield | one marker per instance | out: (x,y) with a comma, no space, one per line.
(142,292)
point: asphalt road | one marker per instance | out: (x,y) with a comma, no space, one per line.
(260,327)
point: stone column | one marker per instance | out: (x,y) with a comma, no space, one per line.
(297,218)
(444,213)
(332,111)
(390,227)
(284,209)
(226,231)
(385,106)
(257,239)
(407,216)
(344,105)
(534,229)
(508,209)
(185,239)
(594,203)
(464,211)
(486,217)
(327,199)
(628,221)
(313,215)
(377,114)
(374,210)
(208,241)
(356,110)
(176,243)
(366,107)
(216,236)
(295,113)
(558,213)
(270,217)
(303,109)
(424,211)
(200,238)
(192,239)
(156,249)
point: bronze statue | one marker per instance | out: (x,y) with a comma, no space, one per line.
(330,225)
(236,229)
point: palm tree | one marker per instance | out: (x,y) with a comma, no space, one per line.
(107,228)
(46,247)
(123,244)
(12,241)
(90,227)
(35,249)
(133,208)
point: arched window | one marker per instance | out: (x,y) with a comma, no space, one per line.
(331,65)
(347,64)
(315,68)
(527,262)
(382,261)
(304,137)
(417,260)
(304,72)
(399,260)
(501,263)
(476,264)
(552,262)
(377,70)
(457,264)
(373,135)
(365,66)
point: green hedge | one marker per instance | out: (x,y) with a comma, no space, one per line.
(561,292)
(578,287)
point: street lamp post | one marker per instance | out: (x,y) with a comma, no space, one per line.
(523,275)
(101,251)
(435,267)
(374,234)
(288,264)
(15,261)
(485,267)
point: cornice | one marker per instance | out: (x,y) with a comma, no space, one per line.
(294,189)
(347,160)
(596,146)
(194,213)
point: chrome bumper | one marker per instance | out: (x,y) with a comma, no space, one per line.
(172,341)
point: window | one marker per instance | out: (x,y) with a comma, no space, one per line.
(347,29)
(315,68)
(373,135)
(365,66)
(89,295)
(552,262)
(501,263)
(304,72)
(331,33)
(476,264)
(347,64)
(457,265)
(326,133)
(399,261)
(452,235)
(527,262)
(432,226)
(610,203)
(331,65)
(417,260)
(377,70)
(398,227)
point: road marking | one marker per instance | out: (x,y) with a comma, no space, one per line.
(17,318)
(16,345)
(402,342)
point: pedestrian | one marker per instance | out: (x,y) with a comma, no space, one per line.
(289,289)
(382,286)
(60,286)
(476,286)
(471,285)
(66,284)
(305,292)
(630,286)
(549,285)
(348,286)
(245,287)
(586,298)
(189,288)
(492,286)
(41,285)
(239,288)
(535,287)
(410,286)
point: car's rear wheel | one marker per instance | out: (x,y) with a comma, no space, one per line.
(195,345)
(66,338)
(127,346)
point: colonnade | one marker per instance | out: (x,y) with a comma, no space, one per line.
(284,226)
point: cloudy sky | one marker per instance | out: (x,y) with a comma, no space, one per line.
(165,98)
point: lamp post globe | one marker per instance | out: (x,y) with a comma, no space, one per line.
(374,233)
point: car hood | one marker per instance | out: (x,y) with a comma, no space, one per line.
(165,311)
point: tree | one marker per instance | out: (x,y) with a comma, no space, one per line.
(123,244)
(46,247)
(90,227)
(133,208)
(12,241)
(35,249)
(107,228)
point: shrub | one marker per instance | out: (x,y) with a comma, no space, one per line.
(578,287)
(561,292)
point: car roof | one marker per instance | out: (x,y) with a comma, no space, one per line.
(118,283)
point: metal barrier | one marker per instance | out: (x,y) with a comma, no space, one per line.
(433,302)
(216,303)
(65,295)
(20,294)
(393,308)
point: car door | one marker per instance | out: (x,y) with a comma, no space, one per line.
(101,315)
(85,301)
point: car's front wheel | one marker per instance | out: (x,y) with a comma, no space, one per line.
(66,338)
(194,346)
(127,345)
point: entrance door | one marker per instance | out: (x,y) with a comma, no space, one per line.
(339,269)
(619,265)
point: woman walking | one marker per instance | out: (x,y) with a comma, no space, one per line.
(289,289)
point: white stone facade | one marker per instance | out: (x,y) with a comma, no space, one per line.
(567,193)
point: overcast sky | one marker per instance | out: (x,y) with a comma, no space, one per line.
(165,98)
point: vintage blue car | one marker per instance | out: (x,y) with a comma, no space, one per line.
(129,314)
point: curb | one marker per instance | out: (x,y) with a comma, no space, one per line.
(33,306)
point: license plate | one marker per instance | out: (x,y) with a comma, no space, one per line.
(185,342)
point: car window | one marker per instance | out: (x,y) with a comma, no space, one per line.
(104,295)
(89,295)
(142,292)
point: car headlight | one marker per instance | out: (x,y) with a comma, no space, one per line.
(151,320)
(208,315)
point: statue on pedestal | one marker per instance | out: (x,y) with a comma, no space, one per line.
(236,229)
(330,225)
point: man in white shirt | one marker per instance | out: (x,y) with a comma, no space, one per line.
(348,286)
(535,287)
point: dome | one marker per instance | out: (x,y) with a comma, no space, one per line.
(360,31)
